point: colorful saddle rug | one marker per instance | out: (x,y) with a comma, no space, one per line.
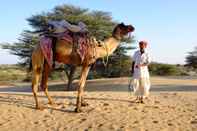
(46,47)
(81,41)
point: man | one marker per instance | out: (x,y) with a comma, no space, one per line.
(141,82)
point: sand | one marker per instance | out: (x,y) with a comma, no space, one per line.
(172,106)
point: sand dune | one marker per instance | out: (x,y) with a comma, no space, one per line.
(171,106)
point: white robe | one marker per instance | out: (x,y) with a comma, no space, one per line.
(141,81)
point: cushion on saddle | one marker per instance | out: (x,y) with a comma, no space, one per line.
(63,25)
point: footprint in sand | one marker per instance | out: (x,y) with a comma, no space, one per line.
(45,120)
(36,122)
(157,102)
(144,111)
(135,108)
(190,110)
(155,122)
(105,104)
(100,125)
(135,122)
(165,96)
(47,116)
(105,108)
(122,127)
(194,122)
(188,104)
(156,107)
(82,120)
(174,94)
(130,105)
(195,117)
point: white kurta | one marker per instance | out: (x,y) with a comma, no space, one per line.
(141,81)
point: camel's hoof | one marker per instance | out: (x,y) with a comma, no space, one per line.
(53,104)
(40,107)
(84,104)
(78,110)
(142,102)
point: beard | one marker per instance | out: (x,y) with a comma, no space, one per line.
(142,50)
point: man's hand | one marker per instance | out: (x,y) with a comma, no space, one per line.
(141,65)
(137,66)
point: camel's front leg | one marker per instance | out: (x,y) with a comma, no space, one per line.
(83,102)
(35,84)
(82,82)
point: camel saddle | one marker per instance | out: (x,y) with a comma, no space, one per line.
(79,37)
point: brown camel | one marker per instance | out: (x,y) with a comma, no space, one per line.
(64,54)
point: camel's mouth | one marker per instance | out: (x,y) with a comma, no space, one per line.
(130,29)
(122,30)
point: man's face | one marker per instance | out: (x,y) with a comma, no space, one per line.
(142,46)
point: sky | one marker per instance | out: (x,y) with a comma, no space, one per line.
(169,26)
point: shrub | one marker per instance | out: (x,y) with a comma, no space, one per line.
(165,69)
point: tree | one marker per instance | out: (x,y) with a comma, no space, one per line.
(100,25)
(23,48)
(191,59)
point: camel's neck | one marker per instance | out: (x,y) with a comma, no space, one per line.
(109,46)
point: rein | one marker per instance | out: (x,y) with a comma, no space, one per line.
(105,62)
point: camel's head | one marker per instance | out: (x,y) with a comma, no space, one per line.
(122,30)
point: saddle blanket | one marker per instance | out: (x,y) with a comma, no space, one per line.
(46,46)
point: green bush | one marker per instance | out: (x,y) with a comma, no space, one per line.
(165,69)
(12,73)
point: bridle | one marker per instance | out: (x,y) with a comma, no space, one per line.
(105,61)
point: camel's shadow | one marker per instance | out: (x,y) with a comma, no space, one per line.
(91,87)
(12,99)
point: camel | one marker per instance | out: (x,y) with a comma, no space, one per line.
(64,54)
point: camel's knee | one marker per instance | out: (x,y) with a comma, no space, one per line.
(38,70)
(34,88)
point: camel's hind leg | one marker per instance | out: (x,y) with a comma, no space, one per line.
(35,85)
(82,82)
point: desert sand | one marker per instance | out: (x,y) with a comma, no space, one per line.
(172,106)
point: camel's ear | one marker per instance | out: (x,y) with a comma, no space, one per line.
(122,23)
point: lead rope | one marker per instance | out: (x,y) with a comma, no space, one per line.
(94,48)
(130,88)
(105,62)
